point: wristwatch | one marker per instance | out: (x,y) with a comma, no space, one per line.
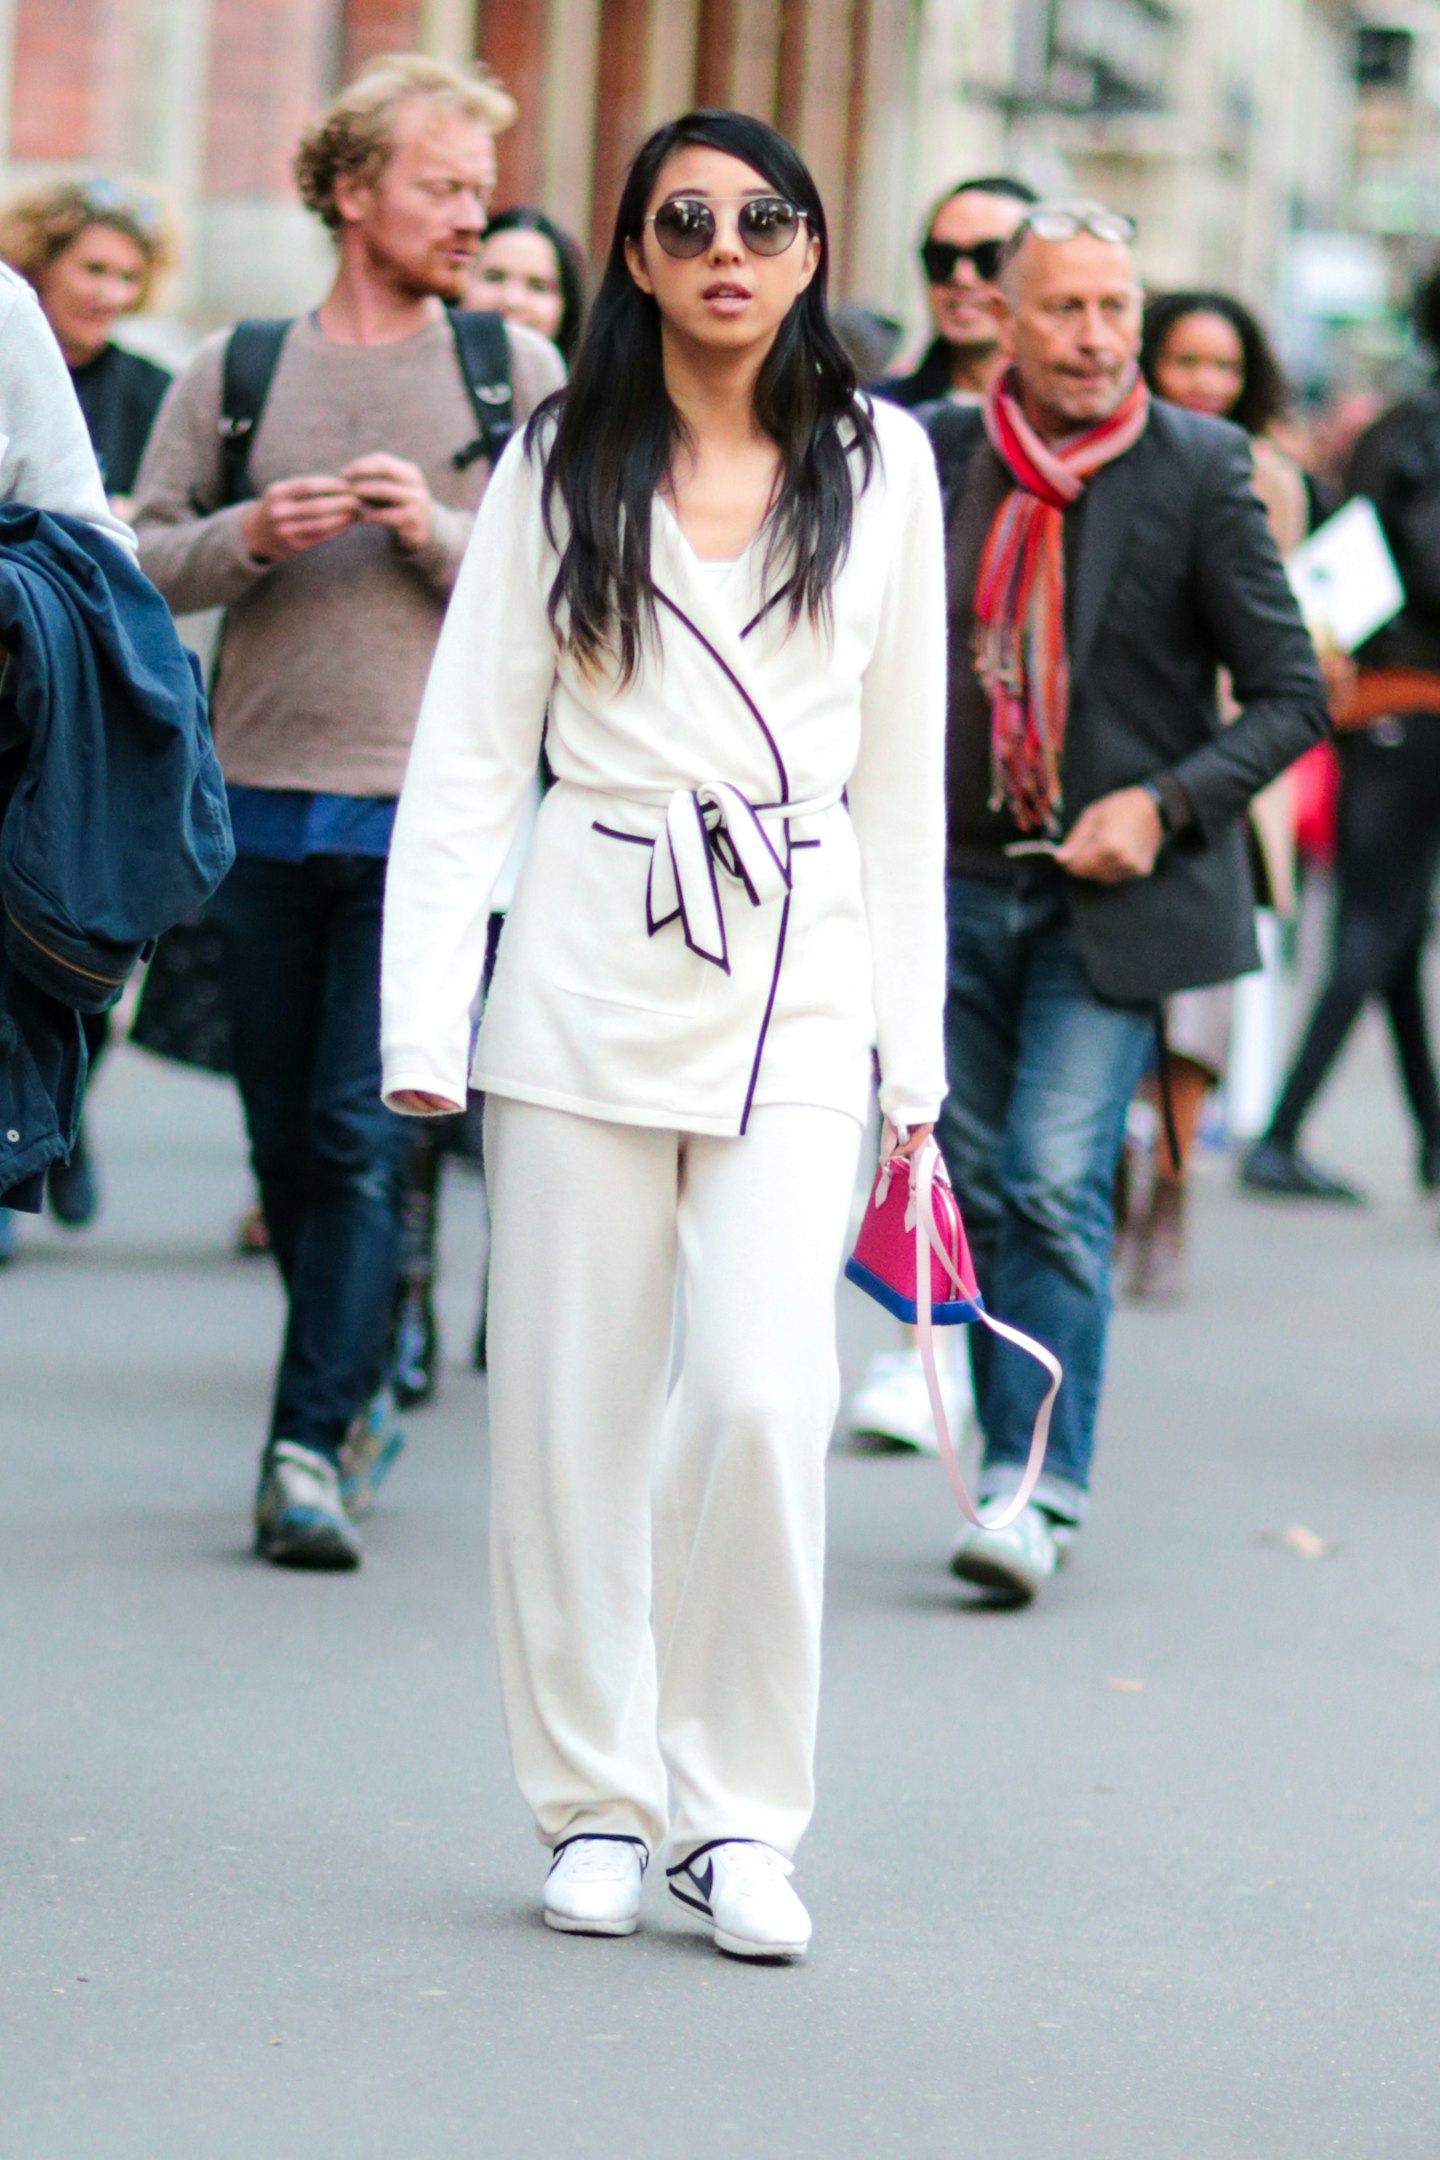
(1157,795)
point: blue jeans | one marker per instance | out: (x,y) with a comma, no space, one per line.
(1041,1073)
(301,960)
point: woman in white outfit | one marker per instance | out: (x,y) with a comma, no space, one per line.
(720,575)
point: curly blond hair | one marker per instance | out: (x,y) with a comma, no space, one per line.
(355,135)
(37,226)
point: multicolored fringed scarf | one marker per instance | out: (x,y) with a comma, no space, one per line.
(1020,650)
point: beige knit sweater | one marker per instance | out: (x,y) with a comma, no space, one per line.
(324,655)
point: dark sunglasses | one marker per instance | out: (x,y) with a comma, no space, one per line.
(685,226)
(941,256)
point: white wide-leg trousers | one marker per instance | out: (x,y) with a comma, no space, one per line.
(658,1552)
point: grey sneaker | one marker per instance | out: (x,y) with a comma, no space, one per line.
(1011,1563)
(300,1520)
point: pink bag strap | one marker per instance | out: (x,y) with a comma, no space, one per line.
(928,1240)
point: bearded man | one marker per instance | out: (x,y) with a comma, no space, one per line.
(319,480)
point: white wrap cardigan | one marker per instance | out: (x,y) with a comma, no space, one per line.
(736,886)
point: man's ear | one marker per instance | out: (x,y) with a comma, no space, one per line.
(635,263)
(352,198)
(1005,325)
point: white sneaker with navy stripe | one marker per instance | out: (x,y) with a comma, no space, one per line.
(741,1891)
(593,1887)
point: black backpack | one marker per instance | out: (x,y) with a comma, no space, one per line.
(482,352)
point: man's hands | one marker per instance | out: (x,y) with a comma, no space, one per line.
(1117,838)
(293,515)
(390,491)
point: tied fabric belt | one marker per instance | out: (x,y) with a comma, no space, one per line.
(706,832)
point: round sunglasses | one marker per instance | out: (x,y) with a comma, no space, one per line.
(685,226)
(941,256)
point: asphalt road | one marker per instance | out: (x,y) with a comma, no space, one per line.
(1150,1870)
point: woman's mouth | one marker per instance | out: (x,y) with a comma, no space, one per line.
(729,299)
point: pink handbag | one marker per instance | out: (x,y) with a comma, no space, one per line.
(912,1256)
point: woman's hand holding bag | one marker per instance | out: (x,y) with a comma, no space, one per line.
(913,1257)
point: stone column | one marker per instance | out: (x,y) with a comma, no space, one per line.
(7,73)
(447,29)
(572,27)
(620,106)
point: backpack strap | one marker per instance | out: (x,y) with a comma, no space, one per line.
(252,355)
(483,351)
(251,358)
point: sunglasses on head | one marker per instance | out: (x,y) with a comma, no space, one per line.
(1066,221)
(685,226)
(941,256)
(107,198)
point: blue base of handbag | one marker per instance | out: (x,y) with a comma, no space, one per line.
(954,1314)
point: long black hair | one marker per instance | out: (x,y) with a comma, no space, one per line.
(1264,392)
(569,267)
(616,428)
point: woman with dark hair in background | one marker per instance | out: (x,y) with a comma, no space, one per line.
(720,575)
(960,255)
(1207,352)
(1388,840)
(94,250)
(530,271)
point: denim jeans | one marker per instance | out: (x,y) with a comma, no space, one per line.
(301,959)
(1041,1072)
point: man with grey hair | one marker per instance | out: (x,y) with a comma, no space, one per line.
(328,516)
(1106,557)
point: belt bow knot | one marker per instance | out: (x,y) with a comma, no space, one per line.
(706,826)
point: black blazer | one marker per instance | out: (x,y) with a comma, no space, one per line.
(1175,574)
(925,382)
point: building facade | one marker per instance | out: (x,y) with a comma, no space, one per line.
(1227,127)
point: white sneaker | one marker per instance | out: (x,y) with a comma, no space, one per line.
(299,1519)
(593,1887)
(1013,1563)
(741,1890)
(893,1403)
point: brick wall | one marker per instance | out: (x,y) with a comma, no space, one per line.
(73,79)
(513,43)
(272,64)
(378,26)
